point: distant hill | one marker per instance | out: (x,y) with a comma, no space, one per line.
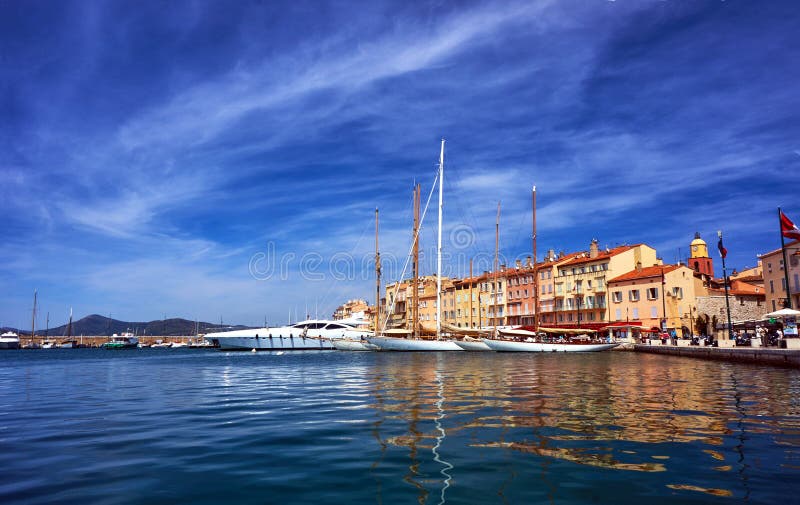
(101,325)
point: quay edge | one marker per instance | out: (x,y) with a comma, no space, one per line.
(774,357)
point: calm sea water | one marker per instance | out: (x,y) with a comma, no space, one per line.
(187,426)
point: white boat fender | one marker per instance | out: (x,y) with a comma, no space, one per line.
(279,353)
(253,349)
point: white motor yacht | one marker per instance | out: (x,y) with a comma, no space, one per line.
(9,340)
(305,335)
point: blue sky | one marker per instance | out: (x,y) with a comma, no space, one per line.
(224,159)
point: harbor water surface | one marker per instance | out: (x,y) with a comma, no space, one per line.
(189,426)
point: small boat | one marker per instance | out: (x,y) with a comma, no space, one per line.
(68,344)
(125,341)
(9,340)
(176,345)
(50,344)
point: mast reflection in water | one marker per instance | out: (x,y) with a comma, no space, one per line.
(309,427)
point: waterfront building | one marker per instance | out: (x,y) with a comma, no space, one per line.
(356,308)
(775,277)
(398,302)
(747,302)
(658,296)
(580,282)
(467,304)
(520,294)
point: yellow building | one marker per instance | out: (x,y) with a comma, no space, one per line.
(353,308)
(654,294)
(580,283)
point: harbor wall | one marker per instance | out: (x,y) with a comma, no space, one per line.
(757,355)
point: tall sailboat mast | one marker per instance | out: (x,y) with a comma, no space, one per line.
(439,249)
(535,273)
(415,281)
(495,289)
(69,325)
(33,315)
(377,279)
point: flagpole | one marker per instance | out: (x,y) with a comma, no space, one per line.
(664,299)
(725,283)
(787,302)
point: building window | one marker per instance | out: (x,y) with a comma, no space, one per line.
(616,296)
(618,314)
(635,313)
(652,293)
(633,295)
(677,292)
(772,290)
(654,312)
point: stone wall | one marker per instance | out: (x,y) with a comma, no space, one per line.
(743,308)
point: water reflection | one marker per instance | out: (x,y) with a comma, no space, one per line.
(690,420)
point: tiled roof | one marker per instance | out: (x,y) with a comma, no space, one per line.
(645,273)
(583,257)
(792,243)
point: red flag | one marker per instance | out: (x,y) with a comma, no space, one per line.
(722,251)
(788,228)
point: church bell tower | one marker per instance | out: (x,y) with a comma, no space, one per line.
(698,257)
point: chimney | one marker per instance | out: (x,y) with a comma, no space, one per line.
(593,249)
(528,262)
(551,255)
(638,266)
(503,267)
(518,264)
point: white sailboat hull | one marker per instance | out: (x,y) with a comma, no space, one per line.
(512,346)
(343,344)
(413,344)
(472,345)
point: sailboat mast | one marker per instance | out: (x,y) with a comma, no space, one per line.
(69,325)
(439,249)
(495,289)
(47,325)
(535,273)
(470,293)
(377,278)
(414,285)
(33,315)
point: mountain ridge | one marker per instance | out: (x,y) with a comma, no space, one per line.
(95,324)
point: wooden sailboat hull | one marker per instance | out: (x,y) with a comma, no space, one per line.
(412,344)
(513,346)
